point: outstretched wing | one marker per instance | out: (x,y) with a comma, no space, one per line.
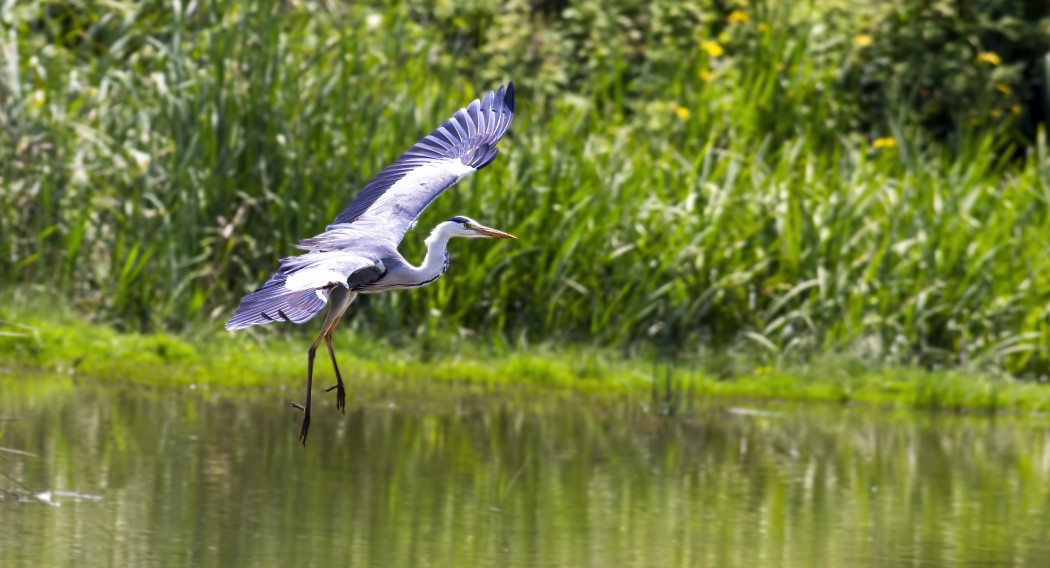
(393,200)
(301,285)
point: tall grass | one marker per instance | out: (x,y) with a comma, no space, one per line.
(156,159)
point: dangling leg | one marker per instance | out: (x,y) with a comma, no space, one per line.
(309,387)
(340,393)
(344,299)
(338,300)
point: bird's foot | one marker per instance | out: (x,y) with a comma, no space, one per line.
(306,421)
(340,396)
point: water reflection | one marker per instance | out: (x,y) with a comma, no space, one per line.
(464,479)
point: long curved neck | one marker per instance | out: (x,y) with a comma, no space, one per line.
(434,263)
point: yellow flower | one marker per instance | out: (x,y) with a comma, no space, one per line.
(683,113)
(884,143)
(723,37)
(989,58)
(862,40)
(762,27)
(1003,88)
(738,17)
(713,48)
(1015,108)
(996,113)
(707,75)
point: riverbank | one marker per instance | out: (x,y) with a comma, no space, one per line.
(212,358)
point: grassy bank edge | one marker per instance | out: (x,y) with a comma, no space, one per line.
(217,359)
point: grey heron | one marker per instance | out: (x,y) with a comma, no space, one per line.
(357,253)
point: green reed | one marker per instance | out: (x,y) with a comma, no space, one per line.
(155,163)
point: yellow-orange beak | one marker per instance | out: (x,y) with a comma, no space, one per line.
(493,233)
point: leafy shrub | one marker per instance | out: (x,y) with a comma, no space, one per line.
(951,67)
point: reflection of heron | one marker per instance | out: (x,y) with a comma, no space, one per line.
(357,253)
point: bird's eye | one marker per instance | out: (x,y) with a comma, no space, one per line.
(466,225)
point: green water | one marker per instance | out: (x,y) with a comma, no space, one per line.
(461,478)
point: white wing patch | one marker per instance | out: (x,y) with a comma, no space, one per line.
(318,277)
(403,194)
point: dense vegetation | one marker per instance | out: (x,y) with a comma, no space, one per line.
(685,175)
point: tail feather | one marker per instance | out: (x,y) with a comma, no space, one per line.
(301,285)
(275,302)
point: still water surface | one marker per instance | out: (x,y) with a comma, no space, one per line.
(456,477)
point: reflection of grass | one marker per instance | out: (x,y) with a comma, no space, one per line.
(215,358)
(17,489)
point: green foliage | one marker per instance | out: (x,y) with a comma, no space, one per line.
(684,177)
(953,67)
(209,358)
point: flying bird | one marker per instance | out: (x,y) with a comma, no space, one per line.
(357,253)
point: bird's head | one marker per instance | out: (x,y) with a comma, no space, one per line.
(460,226)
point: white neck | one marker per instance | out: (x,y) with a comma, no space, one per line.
(436,260)
(434,263)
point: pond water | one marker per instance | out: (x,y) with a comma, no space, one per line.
(459,477)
